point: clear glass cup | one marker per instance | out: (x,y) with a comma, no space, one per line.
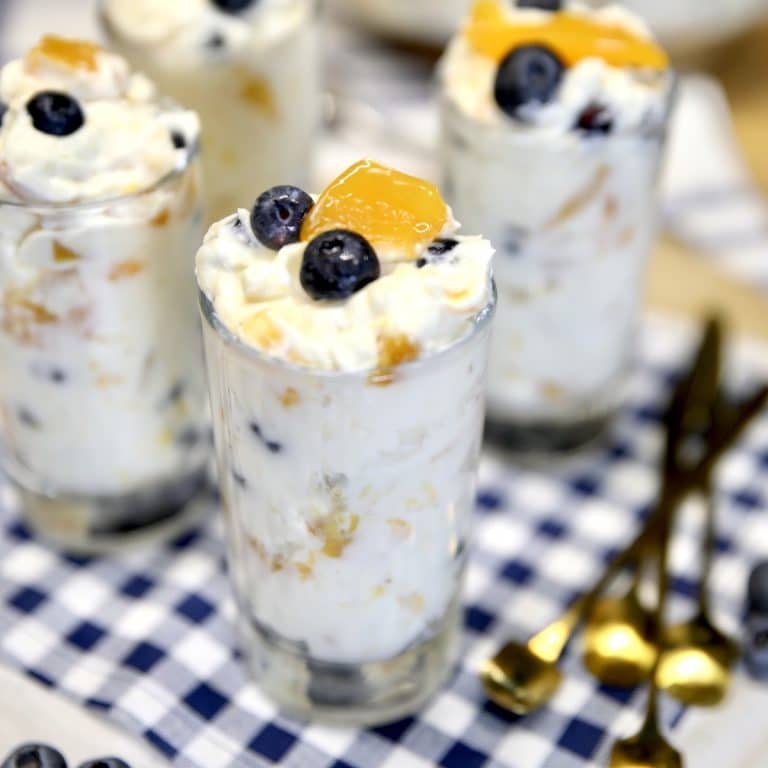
(573,220)
(347,500)
(104,423)
(259,101)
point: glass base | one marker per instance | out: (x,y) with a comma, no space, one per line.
(546,437)
(360,694)
(103,524)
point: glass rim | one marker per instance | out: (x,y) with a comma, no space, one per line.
(114,35)
(449,106)
(477,323)
(42,207)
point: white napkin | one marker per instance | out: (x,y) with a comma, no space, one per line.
(709,198)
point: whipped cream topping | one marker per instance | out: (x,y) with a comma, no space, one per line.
(124,146)
(636,99)
(190,26)
(416,308)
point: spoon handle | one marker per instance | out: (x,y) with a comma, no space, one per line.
(708,545)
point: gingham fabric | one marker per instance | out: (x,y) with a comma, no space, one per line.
(147,640)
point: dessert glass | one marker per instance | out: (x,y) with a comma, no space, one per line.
(568,201)
(258,101)
(573,221)
(414,21)
(354,616)
(104,426)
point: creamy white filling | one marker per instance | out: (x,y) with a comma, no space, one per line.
(124,146)
(432,306)
(116,320)
(636,100)
(349,538)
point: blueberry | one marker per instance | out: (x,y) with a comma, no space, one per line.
(442,246)
(337,264)
(55,113)
(757,592)
(271,445)
(278,214)
(35,756)
(106,762)
(438,247)
(27,417)
(595,119)
(215,41)
(3,110)
(530,74)
(544,5)
(48,372)
(179,139)
(756,648)
(232,6)
(188,437)
(175,393)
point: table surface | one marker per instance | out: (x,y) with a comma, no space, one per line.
(729,737)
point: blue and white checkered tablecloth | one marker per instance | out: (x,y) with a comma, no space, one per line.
(147,638)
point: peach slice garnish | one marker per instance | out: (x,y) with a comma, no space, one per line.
(572,36)
(385,206)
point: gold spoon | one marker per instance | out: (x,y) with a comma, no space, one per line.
(522,677)
(698,658)
(618,645)
(648,748)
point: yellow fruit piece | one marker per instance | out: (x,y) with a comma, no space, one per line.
(75,54)
(62,254)
(257,92)
(261,330)
(572,36)
(396,350)
(388,208)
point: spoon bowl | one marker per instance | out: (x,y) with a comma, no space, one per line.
(697,662)
(519,680)
(617,646)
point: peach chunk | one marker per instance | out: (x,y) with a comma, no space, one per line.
(75,54)
(385,206)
